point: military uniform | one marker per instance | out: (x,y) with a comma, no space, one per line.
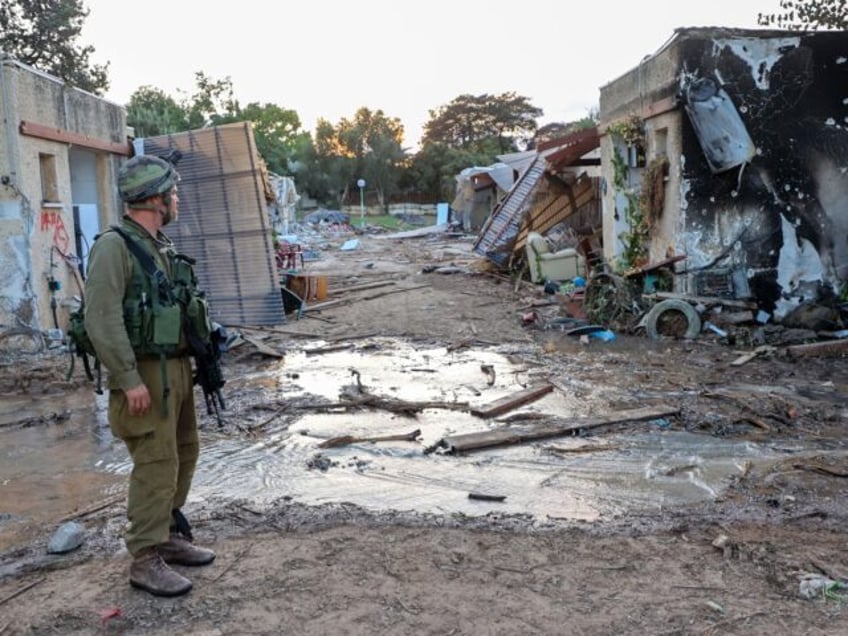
(163,443)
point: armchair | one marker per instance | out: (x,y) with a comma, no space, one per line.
(564,264)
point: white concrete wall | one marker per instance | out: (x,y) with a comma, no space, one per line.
(36,236)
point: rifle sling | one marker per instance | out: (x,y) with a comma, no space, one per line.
(148,264)
(144,257)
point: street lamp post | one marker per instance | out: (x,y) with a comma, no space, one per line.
(361,184)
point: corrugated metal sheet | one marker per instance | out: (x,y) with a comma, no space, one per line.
(498,235)
(223,222)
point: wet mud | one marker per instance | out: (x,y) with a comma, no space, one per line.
(300,459)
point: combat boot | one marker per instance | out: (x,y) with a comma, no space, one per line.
(179,551)
(150,573)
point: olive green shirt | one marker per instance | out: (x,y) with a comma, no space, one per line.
(109,273)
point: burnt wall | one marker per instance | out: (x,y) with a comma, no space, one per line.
(782,217)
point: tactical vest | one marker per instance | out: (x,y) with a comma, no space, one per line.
(161,313)
(155,305)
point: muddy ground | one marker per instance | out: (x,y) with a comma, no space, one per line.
(733,564)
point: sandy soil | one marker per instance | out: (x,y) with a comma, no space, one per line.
(732,566)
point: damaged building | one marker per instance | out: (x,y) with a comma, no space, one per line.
(729,146)
(60,150)
(557,195)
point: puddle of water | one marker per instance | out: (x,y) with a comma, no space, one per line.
(653,469)
(407,373)
(48,471)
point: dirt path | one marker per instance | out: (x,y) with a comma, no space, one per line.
(730,566)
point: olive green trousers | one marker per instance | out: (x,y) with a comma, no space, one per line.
(163,448)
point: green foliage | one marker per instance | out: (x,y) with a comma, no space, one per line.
(554,130)
(279,137)
(471,119)
(631,130)
(151,112)
(367,146)
(432,171)
(323,171)
(276,130)
(44,34)
(804,15)
(386,221)
(213,103)
(635,240)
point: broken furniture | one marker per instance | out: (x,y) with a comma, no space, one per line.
(564,264)
(287,256)
(299,289)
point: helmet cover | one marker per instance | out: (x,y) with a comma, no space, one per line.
(145,176)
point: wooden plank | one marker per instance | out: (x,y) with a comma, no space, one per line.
(747,357)
(352,288)
(510,402)
(514,435)
(339,301)
(817,348)
(262,347)
(344,440)
(66,137)
(650,267)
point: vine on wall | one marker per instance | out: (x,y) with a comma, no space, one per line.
(635,240)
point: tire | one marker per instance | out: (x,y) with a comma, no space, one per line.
(659,320)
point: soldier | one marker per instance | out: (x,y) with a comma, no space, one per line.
(134,318)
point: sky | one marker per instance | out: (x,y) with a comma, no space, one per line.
(327,58)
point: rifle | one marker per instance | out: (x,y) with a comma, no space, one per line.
(207,363)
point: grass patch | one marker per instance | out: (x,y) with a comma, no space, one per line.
(391,222)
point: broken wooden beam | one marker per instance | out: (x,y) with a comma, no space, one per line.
(401,407)
(344,440)
(510,402)
(817,348)
(353,288)
(747,357)
(329,349)
(262,347)
(481,496)
(514,435)
(341,301)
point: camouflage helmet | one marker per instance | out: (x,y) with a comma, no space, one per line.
(145,176)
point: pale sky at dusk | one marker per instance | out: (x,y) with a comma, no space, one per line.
(326,58)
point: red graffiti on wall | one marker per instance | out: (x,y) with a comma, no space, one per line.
(51,220)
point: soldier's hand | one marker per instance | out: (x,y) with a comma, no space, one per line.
(138,399)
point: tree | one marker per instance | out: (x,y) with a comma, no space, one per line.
(277,133)
(374,141)
(151,112)
(279,138)
(469,120)
(44,34)
(213,103)
(366,146)
(432,171)
(803,15)
(555,130)
(324,169)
